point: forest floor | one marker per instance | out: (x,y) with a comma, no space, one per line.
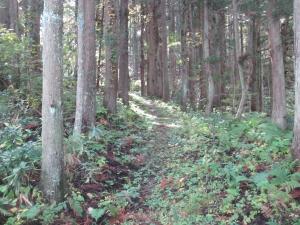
(163,120)
(213,170)
(152,164)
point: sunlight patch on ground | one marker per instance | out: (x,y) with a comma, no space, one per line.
(166,124)
(142,112)
(139,102)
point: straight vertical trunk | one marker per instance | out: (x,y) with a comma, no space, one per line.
(75,74)
(142,61)
(14,16)
(172,49)
(9,14)
(184,55)
(52,113)
(191,50)
(164,52)
(296,141)
(101,28)
(14,26)
(33,11)
(202,73)
(259,76)
(135,46)
(123,53)
(278,81)
(4,13)
(253,51)
(206,56)
(159,62)
(86,82)
(215,51)
(222,67)
(111,57)
(152,53)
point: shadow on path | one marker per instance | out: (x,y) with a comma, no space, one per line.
(163,119)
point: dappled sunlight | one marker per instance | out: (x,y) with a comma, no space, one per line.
(152,110)
(142,112)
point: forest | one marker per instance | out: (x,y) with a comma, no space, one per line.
(150,112)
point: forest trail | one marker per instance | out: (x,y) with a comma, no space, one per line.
(163,120)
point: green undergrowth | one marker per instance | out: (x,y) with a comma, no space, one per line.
(220,170)
(98,169)
(153,164)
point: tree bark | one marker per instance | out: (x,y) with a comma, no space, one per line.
(14,16)
(184,55)
(172,49)
(191,53)
(86,82)
(153,41)
(206,56)
(9,15)
(33,11)
(52,114)
(123,53)
(278,81)
(164,52)
(4,13)
(142,41)
(202,72)
(223,54)
(238,49)
(255,54)
(135,45)
(101,28)
(111,57)
(159,62)
(75,74)
(296,140)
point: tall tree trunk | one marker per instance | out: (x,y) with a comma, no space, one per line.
(135,45)
(111,57)
(238,49)
(172,48)
(296,141)
(206,56)
(9,14)
(34,10)
(215,51)
(101,28)
(14,26)
(192,58)
(253,51)
(142,61)
(202,73)
(159,62)
(75,74)
(4,13)
(123,53)
(184,54)
(278,82)
(52,113)
(223,55)
(153,41)
(14,16)
(86,82)
(164,51)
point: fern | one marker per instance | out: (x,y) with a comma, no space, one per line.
(5,204)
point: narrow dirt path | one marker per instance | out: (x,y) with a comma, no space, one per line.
(162,121)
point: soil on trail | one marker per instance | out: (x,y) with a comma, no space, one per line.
(162,121)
